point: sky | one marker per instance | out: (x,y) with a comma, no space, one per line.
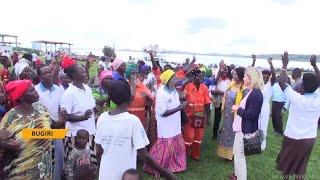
(204,26)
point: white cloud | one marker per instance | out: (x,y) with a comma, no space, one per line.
(265,26)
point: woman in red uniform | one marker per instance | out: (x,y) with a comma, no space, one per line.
(197,111)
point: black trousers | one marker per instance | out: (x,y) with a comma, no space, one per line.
(276,114)
(216,123)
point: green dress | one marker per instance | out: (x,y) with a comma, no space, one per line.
(98,94)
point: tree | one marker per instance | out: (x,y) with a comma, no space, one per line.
(108,51)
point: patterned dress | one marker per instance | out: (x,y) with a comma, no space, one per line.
(226,134)
(35,157)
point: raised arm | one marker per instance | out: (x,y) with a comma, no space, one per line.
(221,66)
(254,58)
(273,72)
(313,62)
(154,64)
(55,74)
(187,67)
(283,79)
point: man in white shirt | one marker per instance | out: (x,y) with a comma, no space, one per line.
(301,130)
(49,96)
(269,79)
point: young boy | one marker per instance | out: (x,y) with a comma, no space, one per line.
(80,155)
(120,137)
(131,174)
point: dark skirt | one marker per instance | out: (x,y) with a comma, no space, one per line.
(294,155)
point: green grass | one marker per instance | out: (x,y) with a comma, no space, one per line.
(259,167)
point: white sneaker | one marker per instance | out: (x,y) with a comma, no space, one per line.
(263,145)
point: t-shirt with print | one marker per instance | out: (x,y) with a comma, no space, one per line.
(76,158)
(120,136)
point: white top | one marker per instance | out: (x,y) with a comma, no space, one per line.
(76,102)
(50,99)
(169,126)
(318,91)
(304,113)
(265,110)
(103,64)
(120,137)
(222,85)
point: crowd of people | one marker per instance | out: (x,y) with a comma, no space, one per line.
(131,113)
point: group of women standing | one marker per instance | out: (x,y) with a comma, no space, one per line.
(174,118)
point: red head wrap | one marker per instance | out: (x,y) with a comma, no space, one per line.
(67,62)
(16,89)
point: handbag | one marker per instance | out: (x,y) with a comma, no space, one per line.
(252,145)
(198,120)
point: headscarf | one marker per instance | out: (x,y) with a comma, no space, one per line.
(195,72)
(144,68)
(16,89)
(38,62)
(116,64)
(208,73)
(129,69)
(20,66)
(166,76)
(103,75)
(67,62)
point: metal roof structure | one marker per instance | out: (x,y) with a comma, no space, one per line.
(52,42)
(55,43)
(4,43)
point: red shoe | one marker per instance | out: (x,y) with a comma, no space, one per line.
(188,150)
(195,151)
(232,176)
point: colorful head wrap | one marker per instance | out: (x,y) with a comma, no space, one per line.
(38,62)
(166,76)
(103,75)
(116,64)
(16,89)
(130,68)
(195,72)
(20,66)
(144,68)
(67,62)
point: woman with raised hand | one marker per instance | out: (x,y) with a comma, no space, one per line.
(301,131)
(141,97)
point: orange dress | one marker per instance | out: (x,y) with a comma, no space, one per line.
(138,104)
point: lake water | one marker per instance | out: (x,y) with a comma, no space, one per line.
(207,60)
